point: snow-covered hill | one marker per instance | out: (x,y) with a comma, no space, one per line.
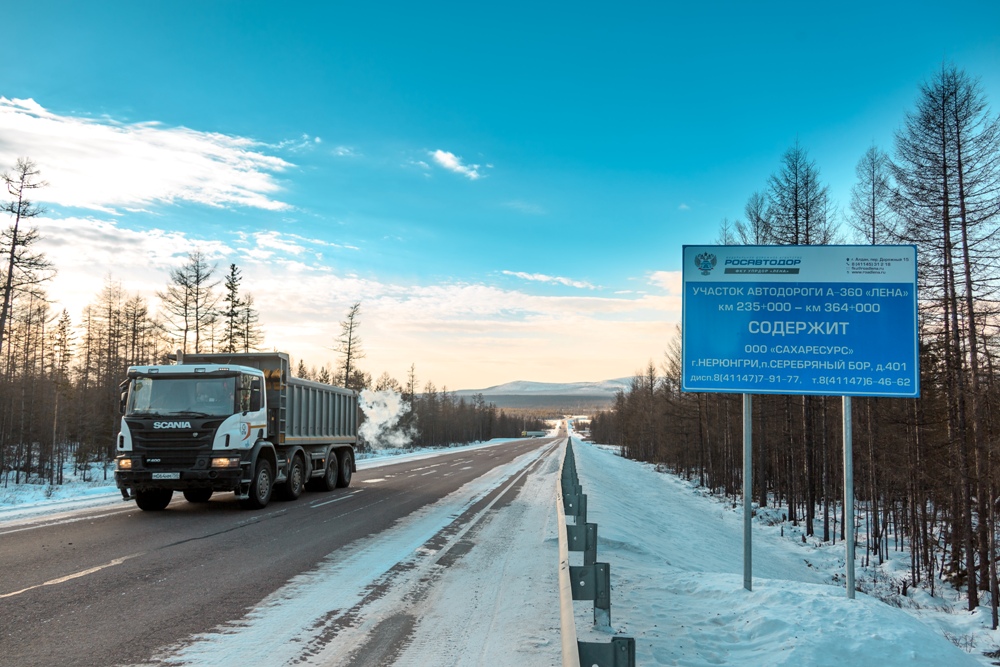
(606,388)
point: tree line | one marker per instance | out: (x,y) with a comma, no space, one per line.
(59,380)
(434,418)
(927,473)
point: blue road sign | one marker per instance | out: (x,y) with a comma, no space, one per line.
(824,320)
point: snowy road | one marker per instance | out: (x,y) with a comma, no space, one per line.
(374,574)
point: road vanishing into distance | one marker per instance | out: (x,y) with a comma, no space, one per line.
(118,586)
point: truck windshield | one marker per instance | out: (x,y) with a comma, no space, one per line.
(164,395)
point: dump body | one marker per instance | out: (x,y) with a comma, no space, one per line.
(319,413)
(232,422)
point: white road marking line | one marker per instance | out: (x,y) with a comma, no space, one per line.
(337,500)
(75,575)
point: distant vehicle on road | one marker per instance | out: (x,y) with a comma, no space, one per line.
(533,434)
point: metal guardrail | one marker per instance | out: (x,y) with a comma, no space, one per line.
(590,581)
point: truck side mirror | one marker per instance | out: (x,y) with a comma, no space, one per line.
(123,397)
(255,395)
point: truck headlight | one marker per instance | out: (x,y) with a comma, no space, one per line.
(124,464)
(226,462)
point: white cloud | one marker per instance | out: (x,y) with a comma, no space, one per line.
(683,207)
(542,278)
(671,281)
(140,259)
(268,244)
(303,143)
(104,165)
(346,151)
(452,162)
(463,335)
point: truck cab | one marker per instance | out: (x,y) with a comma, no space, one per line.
(192,428)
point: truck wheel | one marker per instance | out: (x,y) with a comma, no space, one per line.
(292,487)
(328,482)
(197,495)
(153,500)
(345,460)
(260,486)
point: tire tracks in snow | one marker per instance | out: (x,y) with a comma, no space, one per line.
(388,637)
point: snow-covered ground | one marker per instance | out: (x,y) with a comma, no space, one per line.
(676,573)
(676,556)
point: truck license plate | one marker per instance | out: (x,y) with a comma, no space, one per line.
(166,475)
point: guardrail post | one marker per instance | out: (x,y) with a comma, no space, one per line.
(576,505)
(583,537)
(590,544)
(593,582)
(619,653)
(570,479)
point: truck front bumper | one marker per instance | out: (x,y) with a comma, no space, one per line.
(202,476)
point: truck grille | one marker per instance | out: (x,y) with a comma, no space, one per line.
(198,438)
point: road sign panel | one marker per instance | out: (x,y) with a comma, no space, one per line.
(824,320)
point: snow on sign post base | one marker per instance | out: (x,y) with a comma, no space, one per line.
(818,320)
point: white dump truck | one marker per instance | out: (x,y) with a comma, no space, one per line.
(232,422)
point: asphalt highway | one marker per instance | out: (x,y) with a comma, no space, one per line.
(112,585)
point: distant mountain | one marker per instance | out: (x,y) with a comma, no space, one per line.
(557,397)
(605,388)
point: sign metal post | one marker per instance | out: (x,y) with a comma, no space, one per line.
(747,491)
(849,495)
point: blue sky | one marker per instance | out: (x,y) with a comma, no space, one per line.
(506,187)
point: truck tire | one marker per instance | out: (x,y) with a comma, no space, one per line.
(197,495)
(291,488)
(345,461)
(260,486)
(153,500)
(328,482)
